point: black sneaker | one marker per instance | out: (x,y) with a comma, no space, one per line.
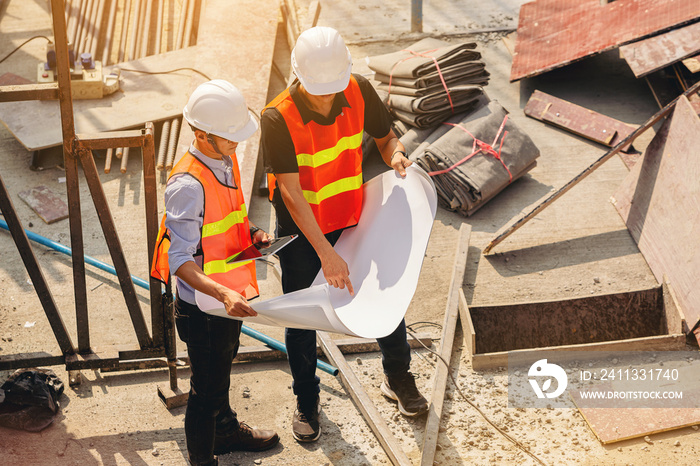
(245,439)
(305,426)
(402,388)
(212,462)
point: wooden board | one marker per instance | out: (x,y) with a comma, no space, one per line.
(579,120)
(45,203)
(142,98)
(654,53)
(552,34)
(660,203)
(617,424)
(692,63)
(241,55)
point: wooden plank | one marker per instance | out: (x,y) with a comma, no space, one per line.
(660,204)
(241,55)
(553,34)
(142,98)
(45,203)
(692,63)
(467,325)
(508,230)
(659,343)
(617,424)
(432,426)
(654,53)
(579,120)
(363,402)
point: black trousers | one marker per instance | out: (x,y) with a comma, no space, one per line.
(212,343)
(300,265)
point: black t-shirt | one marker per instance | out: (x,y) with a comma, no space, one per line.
(276,145)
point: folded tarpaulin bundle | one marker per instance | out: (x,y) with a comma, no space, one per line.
(430,120)
(419,59)
(477,158)
(437,102)
(462,73)
(430,80)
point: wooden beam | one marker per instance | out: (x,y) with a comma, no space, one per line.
(363,402)
(446,343)
(578,178)
(22,92)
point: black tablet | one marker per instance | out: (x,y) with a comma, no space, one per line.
(262,250)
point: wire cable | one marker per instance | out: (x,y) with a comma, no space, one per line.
(22,45)
(164,72)
(514,441)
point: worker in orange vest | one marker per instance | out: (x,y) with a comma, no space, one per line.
(312,144)
(205,223)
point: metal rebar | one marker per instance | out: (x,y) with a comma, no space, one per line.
(163,145)
(75,36)
(125,159)
(181,25)
(133,31)
(189,22)
(91,26)
(84,32)
(124,31)
(146,38)
(119,152)
(416,15)
(159,26)
(172,143)
(112,19)
(98,28)
(108,160)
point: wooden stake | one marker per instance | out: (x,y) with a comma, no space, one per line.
(628,140)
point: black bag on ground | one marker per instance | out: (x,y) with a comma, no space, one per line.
(29,399)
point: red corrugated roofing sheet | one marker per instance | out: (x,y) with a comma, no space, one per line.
(554,33)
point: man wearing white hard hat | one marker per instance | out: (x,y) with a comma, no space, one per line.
(205,223)
(312,144)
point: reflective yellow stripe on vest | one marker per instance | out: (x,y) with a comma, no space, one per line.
(330,190)
(328,155)
(221,266)
(216,228)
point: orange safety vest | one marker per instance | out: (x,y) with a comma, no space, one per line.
(225,231)
(329,159)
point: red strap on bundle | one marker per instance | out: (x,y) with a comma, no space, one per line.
(479,146)
(437,67)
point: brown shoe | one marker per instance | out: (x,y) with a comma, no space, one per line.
(246,439)
(305,425)
(402,388)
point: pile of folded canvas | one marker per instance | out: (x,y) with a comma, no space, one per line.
(430,80)
(472,156)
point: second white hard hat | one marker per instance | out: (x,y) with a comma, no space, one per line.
(321,61)
(217,107)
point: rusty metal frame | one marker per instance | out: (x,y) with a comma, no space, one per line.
(78,148)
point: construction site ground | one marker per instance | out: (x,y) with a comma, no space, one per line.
(577,247)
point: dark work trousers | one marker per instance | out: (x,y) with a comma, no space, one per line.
(212,343)
(300,265)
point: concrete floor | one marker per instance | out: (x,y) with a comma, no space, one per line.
(116,418)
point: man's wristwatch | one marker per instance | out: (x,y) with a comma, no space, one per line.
(253,230)
(397,152)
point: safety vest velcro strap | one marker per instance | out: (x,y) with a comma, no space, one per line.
(328,155)
(333,189)
(221,266)
(223,225)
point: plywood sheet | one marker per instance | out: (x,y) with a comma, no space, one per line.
(142,98)
(241,55)
(552,34)
(45,203)
(654,53)
(616,424)
(660,203)
(579,120)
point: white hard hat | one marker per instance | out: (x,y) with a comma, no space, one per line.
(321,61)
(217,107)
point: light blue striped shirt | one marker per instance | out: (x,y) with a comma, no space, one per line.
(184,208)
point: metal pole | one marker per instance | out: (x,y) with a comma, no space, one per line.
(416,15)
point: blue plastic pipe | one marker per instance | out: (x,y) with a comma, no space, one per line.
(269,341)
